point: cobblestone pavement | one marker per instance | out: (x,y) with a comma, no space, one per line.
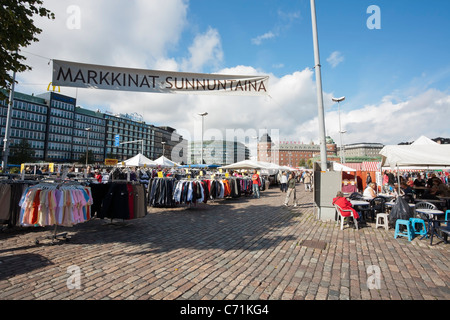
(246,249)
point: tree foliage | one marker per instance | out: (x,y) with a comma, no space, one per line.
(17,30)
(21,153)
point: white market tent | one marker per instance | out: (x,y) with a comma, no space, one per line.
(246,164)
(340,167)
(421,156)
(269,168)
(165,162)
(424,141)
(140,160)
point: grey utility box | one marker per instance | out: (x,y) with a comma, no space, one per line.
(326,184)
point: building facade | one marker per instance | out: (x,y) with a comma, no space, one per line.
(60,131)
(218,152)
(363,150)
(290,153)
(28,121)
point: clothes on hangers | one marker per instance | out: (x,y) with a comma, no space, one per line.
(161,191)
(191,192)
(119,200)
(10,194)
(55,204)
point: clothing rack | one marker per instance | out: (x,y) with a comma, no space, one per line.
(50,215)
(54,236)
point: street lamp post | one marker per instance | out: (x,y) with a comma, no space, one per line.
(257,149)
(317,67)
(339,100)
(87,145)
(163,145)
(203,114)
(8,125)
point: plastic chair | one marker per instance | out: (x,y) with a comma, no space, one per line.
(423,205)
(339,211)
(377,205)
(382,221)
(406,233)
(423,229)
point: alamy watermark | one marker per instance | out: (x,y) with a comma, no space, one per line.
(74,280)
(374,277)
(374,21)
(73,21)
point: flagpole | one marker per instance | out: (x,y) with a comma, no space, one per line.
(321,117)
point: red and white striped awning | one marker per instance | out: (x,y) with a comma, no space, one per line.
(371,166)
(356,166)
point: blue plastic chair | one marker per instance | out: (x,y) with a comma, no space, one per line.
(407,233)
(423,229)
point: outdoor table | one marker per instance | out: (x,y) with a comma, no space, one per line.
(386,195)
(447,201)
(359,203)
(430,214)
(362,204)
(419,191)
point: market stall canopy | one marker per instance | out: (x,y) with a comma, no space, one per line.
(268,168)
(140,160)
(165,162)
(245,164)
(424,141)
(419,156)
(200,166)
(340,167)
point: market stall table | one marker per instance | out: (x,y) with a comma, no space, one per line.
(430,214)
(362,206)
(447,201)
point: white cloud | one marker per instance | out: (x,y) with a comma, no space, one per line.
(335,59)
(206,50)
(388,122)
(259,39)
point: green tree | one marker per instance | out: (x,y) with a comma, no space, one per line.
(91,159)
(17,30)
(302,163)
(21,153)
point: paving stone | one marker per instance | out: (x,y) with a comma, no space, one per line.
(250,249)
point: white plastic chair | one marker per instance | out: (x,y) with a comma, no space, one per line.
(423,205)
(340,217)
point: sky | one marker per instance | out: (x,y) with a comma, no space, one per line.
(390,62)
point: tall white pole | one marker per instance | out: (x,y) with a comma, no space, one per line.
(201,147)
(340,132)
(8,125)
(321,117)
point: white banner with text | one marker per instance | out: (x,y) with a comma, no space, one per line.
(80,75)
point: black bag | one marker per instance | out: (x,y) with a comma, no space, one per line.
(401,210)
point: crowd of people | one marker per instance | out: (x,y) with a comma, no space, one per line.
(426,185)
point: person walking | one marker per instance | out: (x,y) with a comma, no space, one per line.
(283,182)
(291,190)
(307,181)
(255,179)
